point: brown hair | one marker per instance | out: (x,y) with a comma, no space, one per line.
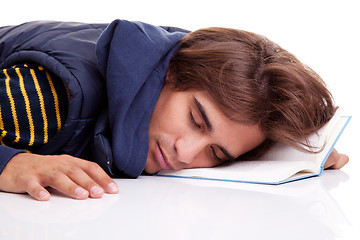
(254,81)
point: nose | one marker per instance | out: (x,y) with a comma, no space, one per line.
(189,147)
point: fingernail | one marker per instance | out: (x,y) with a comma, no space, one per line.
(42,195)
(80,192)
(113,187)
(96,190)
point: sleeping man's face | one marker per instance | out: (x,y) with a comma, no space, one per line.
(188,130)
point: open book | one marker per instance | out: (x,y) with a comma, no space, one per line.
(280,164)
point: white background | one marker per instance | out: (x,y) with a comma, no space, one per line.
(323,34)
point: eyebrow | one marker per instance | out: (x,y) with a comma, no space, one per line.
(202,111)
(203,114)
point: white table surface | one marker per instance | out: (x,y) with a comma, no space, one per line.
(150,207)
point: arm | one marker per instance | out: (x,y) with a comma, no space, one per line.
(77,178)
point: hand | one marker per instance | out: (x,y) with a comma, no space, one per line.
(336,160)
(77,178)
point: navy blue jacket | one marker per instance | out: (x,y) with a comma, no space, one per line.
(114,74)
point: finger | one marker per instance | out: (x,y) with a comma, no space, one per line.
(78,176)
(96,173)
(59,181)
(336,160)
(101,177)
(342,161)
(333,157)
(38,192)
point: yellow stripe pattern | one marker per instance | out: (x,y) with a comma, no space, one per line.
(42,104)
(33,106)
(27,105)
(12,103)
(3,132)
(56,100)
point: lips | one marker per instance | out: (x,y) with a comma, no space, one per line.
(161,158)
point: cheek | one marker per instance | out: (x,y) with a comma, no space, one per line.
(202,164)
(203,161)
(168,121)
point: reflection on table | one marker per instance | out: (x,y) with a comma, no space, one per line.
(171,208)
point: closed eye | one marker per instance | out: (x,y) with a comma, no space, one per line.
(209,128)
(217,158)
(193,121)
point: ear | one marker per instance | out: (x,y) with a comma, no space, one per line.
(169,80)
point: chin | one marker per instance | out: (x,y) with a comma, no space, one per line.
(150,172)
(150,166)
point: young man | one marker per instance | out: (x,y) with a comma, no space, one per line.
(137,99)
